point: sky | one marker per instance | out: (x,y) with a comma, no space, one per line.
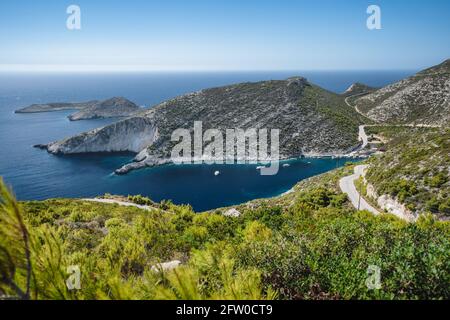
(229,35)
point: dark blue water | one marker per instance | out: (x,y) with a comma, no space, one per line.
(34,174)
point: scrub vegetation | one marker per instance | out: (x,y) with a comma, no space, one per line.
(309,244)
(415,168)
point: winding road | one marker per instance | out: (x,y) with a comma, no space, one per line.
(347,183)
(347,186)
(356,107)
(363,136)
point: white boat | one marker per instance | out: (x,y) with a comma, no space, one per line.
(216,173)
(286,165)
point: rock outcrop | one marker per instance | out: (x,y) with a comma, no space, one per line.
(390,204)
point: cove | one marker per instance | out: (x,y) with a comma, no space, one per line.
(35,175)
(198,185)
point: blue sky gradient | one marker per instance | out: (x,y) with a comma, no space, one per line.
(224,35)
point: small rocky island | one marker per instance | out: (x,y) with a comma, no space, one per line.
(111,108)
(56,106)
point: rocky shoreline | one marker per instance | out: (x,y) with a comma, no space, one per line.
(154,162)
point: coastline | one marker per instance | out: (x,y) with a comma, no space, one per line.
(144,162)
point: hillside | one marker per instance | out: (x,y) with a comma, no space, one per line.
(309,243)
(110,108)
(415,169)
(311,120)
(422,99)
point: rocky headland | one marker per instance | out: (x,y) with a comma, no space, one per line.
(311,120)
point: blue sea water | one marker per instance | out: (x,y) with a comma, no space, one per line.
(35,174)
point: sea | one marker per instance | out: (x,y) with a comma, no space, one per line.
(34,174)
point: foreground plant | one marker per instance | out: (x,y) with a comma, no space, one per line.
(15,254)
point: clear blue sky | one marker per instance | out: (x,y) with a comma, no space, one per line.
(225,34)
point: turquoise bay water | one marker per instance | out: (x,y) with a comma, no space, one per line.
(35,174)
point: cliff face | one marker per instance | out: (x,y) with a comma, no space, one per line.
(310,120)
(133,134)
(111,108)
(422,99)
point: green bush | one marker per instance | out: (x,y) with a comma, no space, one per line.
(438,180)
(313,247)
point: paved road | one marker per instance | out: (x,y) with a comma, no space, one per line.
(362,133)
(347,183)
(363,136)
(347,186)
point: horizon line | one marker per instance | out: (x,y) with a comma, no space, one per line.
(46,68)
